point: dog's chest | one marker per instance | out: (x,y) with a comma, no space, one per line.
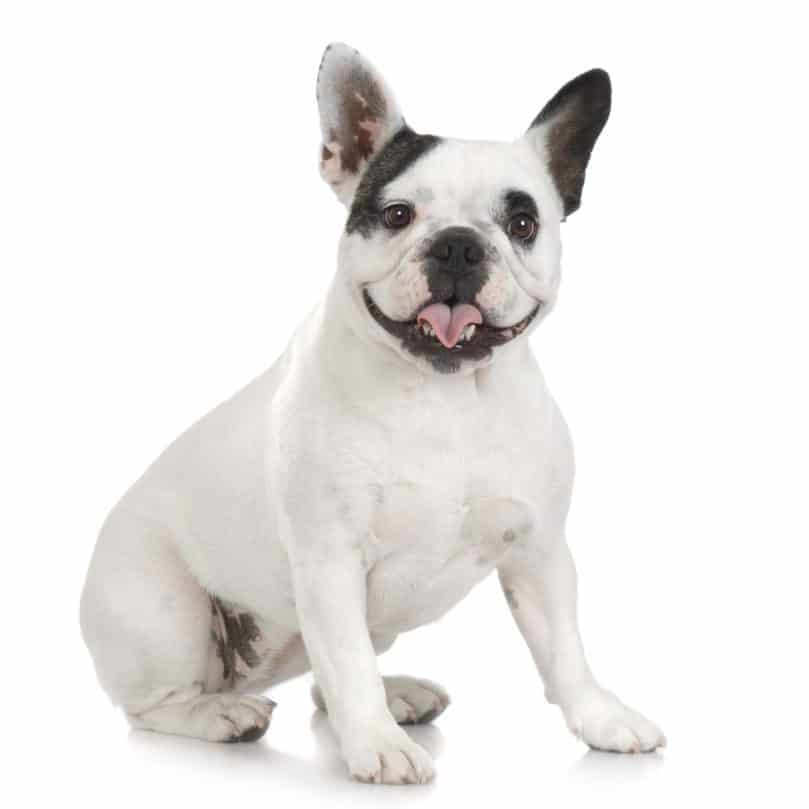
(452,501)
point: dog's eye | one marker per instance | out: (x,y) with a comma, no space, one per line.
(522,226)
(397,216)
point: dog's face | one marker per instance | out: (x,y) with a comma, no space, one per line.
(451,249)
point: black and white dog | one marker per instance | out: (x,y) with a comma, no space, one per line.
(402,448)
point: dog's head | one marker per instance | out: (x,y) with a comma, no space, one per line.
(451,249)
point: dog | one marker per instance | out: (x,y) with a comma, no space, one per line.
(402,448)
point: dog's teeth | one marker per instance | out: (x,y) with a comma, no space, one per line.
(469,332)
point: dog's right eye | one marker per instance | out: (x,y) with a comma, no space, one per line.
(397,216)
(523,227)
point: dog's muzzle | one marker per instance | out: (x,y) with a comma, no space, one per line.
(450,327)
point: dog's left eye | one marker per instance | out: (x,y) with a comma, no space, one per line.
(397,216)
(522,226)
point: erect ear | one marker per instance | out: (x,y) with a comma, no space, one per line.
(566,131)
(358,116)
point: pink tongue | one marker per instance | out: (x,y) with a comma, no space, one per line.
(449,323)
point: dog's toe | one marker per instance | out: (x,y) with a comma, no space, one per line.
(234,717)
(599,719)
(413,701)
(389,757)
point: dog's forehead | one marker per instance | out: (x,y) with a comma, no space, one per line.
(473,173)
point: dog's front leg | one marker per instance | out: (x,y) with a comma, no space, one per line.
(330,599)
(539,581)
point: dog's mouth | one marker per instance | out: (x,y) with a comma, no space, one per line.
(446,333)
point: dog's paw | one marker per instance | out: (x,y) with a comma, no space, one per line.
(230,717)
(224,717)
(388,756)
(413,701)
(603,722)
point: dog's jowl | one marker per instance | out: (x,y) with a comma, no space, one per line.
(402,449)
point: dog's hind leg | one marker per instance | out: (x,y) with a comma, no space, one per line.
(149,627)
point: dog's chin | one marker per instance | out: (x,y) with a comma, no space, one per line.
(475,346)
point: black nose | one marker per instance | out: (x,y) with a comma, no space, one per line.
(458,248)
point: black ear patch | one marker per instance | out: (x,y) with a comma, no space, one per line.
(571,122)
(358,116)
(352,132)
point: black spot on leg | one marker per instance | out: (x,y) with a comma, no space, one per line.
(511,598)
(509,536)
(234,633)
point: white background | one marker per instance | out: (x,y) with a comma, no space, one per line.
(163,228)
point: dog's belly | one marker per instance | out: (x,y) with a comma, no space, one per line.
(431,550)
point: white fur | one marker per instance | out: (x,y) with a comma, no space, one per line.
(352,493)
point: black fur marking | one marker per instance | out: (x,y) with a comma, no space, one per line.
(396,156)
(361,111)
(234,634)
(519,202)
(575,117)
(362,103)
